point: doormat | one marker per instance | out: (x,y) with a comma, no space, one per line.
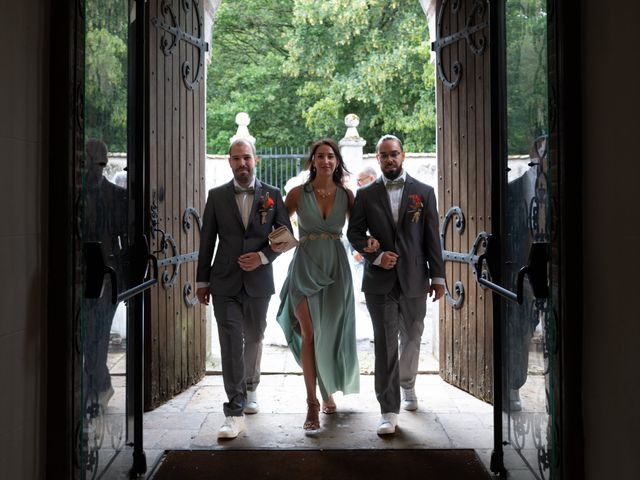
(321,465)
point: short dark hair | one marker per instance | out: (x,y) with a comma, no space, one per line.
(388,137)
(246,141)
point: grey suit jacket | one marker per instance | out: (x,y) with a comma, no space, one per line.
(415,238)
(222,223)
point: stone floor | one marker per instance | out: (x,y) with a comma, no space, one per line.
(447,416)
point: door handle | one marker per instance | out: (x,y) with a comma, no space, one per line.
(141,257)
(97,268)
(536,269)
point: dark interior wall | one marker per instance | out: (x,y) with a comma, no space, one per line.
(23,187)
(611,215)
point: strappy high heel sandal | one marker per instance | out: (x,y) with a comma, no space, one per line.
(329,406)
(313,410)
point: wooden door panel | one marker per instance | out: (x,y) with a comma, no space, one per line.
(174,324)
(463,109)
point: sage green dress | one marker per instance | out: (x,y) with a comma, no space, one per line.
(320,271)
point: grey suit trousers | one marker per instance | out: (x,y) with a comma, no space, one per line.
(241,323)
(393,315)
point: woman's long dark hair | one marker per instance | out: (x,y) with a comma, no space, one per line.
(338,173)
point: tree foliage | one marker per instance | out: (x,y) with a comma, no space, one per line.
(245,74)
(299,66)
(106,72)
(527,94)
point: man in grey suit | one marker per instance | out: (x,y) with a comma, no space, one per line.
(239,216)
(400,212)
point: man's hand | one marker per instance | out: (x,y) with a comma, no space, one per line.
(389,260)
(372,245)
(202,294)
(436,290)
(249,261)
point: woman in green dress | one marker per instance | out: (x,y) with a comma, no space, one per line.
(317,312)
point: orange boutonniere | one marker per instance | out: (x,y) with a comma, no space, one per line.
(416,207)
(267,204)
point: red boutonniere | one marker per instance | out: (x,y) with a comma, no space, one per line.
(416,207)
(267,204)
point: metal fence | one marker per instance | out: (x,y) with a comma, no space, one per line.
(279,164)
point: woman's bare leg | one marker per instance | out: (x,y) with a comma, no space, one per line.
(308,361)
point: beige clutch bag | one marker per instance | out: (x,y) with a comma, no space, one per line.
(283,235)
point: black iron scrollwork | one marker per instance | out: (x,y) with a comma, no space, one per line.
(167,243)
(187,291)
(171,25)
(535,427)
(541,215)
(471,258)
(186,219)
(470,33)
(481,254)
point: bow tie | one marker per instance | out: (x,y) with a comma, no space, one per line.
(242,189)
(391,184)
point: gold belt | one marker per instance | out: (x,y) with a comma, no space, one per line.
(321,236)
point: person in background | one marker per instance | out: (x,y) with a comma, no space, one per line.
(365,177)
(104,221)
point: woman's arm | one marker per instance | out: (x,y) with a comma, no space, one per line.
(292,199)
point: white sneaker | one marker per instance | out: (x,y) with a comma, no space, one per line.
(251,406)
(388,424)
(231,427)
(409,399)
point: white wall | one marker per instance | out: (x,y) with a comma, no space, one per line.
(23,120)
(611,360)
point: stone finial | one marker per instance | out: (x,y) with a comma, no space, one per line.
(352,121)
(242,120)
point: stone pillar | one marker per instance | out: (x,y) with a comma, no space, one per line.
(351,148)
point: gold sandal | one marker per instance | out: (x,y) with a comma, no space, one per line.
(313,421)
(329,406)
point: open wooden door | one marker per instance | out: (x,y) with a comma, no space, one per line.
(498,162)
(464,200)
(175,323)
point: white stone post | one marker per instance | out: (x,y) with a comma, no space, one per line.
(351,148)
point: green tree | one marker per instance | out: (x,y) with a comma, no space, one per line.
(366,57)
(527,95)
(299,66)
(106,72)
(246,74)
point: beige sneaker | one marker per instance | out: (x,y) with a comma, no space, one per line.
(409,399)
(388,424)
(251,406)
(231,427)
